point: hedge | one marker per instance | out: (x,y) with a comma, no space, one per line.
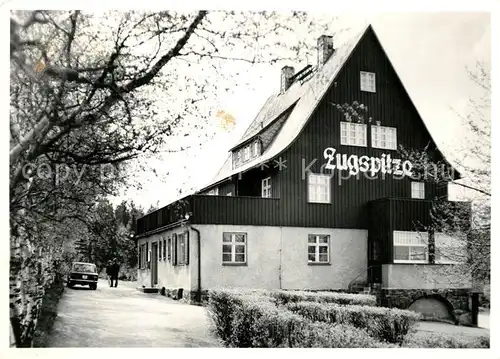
(252,320)
(422,339)
(385,324)
(285,297)
(222,304)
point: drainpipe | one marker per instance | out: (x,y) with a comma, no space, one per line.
(198,295)
(280,271)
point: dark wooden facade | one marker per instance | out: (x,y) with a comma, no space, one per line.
(387,215)
(356,202)
(390,105)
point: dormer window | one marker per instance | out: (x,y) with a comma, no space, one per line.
(245,154)
(256,147)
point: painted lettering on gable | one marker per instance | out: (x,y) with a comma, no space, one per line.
(373,165)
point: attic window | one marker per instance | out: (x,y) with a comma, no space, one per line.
(245,154)
(256,148)
(367,80)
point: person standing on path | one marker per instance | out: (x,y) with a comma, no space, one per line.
(115,270)
(109,270)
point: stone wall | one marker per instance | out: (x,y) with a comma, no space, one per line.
(32,271)
(402,298)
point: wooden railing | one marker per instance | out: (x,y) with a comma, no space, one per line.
(236,210)
(205,209)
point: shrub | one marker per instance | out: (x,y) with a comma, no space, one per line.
(221,306)
(285,297)
(391,325)
(245,319)
(423,339)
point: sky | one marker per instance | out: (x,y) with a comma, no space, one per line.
(430,52)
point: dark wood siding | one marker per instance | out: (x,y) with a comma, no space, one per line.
(397,214)
(164,216)
(226,188)
(391,106)
(236,210)
(250,182)
(350,196)
(383,216)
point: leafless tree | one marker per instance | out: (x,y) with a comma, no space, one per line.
(468,224)
(90,92)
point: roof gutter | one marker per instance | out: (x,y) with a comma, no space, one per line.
(161,229)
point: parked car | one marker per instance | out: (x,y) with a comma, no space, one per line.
(83,274)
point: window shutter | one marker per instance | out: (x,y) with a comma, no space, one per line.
(174,254)
(186,246)
(169,252)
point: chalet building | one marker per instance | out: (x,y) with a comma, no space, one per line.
(316,195)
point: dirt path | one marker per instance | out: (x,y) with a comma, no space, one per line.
(125,317)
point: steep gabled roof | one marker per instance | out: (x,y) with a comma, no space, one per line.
(305,95)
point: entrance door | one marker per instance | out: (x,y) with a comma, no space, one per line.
(154,264)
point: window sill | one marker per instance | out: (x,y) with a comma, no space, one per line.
(383,148)
(319,263)
(234,264)
(410,262)
(348,145)
(309,202)
(445,263)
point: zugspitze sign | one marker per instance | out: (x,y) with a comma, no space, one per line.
(374,165)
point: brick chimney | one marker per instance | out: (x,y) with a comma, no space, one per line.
(286,74)
(325,49)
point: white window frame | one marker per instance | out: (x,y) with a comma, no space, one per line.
(418,190)
(169,249)
(143,256)
(256,148)
(411,240)
(229,239)
(236,159)
(182,249)
(348,129)
(246,153)
(266,187)
(384,137)
(367,81)
(315,185)
(317,241)
(442,242)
